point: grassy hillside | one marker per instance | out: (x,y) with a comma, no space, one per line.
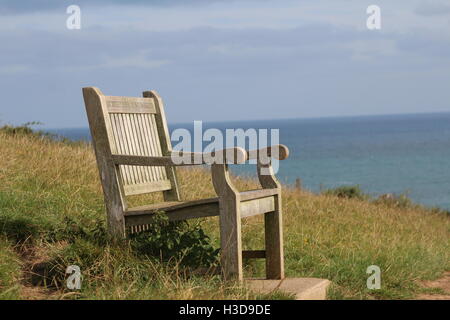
(52,216)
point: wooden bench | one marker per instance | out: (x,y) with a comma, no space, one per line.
(134,156)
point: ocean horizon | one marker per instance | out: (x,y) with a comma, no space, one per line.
(399,154)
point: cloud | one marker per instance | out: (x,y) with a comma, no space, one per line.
(139,61)
(228,51)
(432,9)
(270,61)
(134,61)
(20,6)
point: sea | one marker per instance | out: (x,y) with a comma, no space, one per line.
(398,154)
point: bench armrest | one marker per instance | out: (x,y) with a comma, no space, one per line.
(279,152)
(266,175)
(234,155)
(129,160)
(178,158)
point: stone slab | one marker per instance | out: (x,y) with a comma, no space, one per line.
(300,288)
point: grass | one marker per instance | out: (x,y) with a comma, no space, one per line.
(9,271)
(350,192)
(52,216)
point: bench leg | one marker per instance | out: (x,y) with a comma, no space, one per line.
(230,241)
(273,224)
(116,223)
(230,223)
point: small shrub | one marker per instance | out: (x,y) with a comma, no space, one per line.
(349,192)
(24,129)
(396,201)
(166,240)
(27,130)
(70,230)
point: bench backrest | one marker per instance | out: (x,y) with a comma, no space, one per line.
(132,126)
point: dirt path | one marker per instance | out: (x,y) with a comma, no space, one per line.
(32,283)
(442,284)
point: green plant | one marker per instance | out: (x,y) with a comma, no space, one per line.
(24,129)
(9,271)
(394,200)
(349,192)
(178,241)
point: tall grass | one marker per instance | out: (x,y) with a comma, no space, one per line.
(52,216)
(9,271)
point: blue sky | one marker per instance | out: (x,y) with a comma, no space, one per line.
(225,60)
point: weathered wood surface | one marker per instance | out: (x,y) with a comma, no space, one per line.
(253,254)
(257,194)
(109,175)
(134,135)
(162,133)
(273,225)
(135,189)
(170,206)
(230,222)
(134,156)
(278,151)
(129,105)
(257,206)
(175,211)
(232,155)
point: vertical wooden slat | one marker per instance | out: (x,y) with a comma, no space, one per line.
(116,138)
(157,144)
(135,139)
(126,122)
(125,147)
(147,144)
(142,150)
(146,134)
(120,144)
(151,144)
(142,146)
(154,135)
(132,141)
(166,146)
